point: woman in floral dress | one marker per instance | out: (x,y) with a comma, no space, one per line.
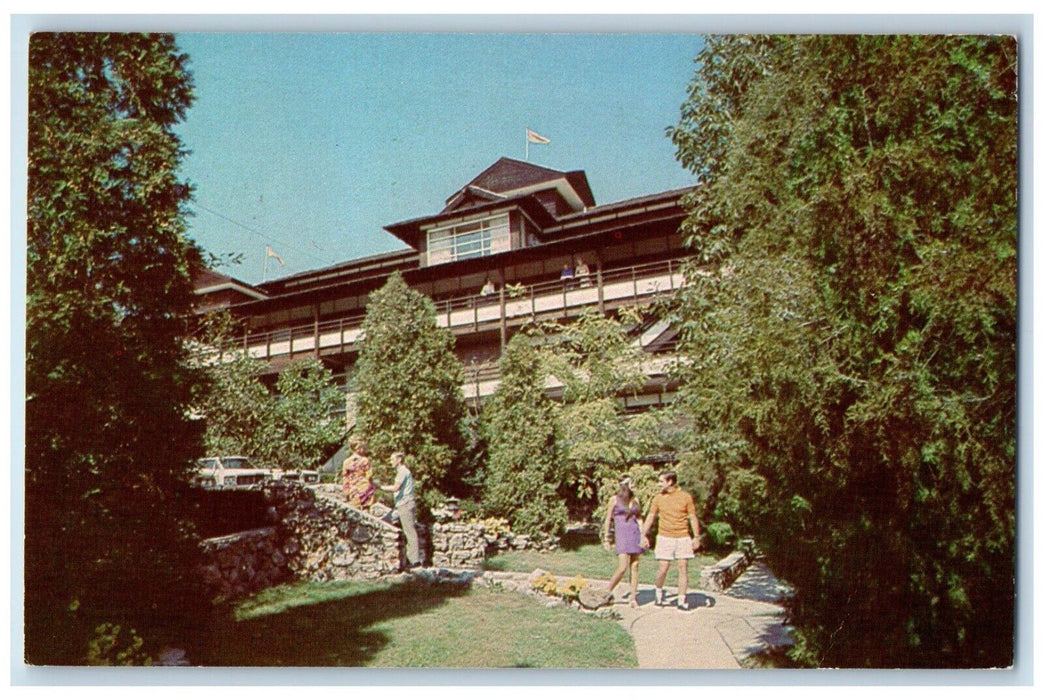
(357,474)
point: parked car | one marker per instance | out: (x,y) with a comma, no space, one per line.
(229,472)
(304,476)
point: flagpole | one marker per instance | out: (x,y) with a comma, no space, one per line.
(527,144)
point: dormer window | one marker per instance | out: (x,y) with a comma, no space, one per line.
(471,239)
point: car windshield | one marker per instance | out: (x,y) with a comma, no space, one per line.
(237,463)
(207,464)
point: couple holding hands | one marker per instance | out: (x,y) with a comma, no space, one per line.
(674,542)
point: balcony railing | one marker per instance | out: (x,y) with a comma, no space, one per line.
(483,379)
(562,298)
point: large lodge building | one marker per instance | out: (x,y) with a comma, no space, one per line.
(496,258)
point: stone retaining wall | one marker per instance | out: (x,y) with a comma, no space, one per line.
(328,540)
(720,575)
(316,536)
(244,562)
(456,545)
(310,539)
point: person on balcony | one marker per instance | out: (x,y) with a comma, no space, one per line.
(488,289)
(583,273)
(567,273)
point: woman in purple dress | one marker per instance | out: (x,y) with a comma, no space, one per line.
(624,513)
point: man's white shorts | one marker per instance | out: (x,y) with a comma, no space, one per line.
(674,548)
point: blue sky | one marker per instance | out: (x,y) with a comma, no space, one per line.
(312,142)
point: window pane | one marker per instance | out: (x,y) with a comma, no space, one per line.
(469,240)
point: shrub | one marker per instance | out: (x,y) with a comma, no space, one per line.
(573,587)
(112,646)
(721,535)
(546,583)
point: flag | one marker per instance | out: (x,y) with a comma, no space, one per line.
(269,253)
(534,137)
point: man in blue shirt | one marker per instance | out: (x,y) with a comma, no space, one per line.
(406,507)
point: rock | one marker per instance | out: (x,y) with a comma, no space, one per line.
(593,599)
(537,573)
(171,656)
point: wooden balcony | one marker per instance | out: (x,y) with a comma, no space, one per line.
(511,306)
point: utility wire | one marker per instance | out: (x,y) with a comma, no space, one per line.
(265,237)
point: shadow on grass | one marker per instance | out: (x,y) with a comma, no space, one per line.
(572,541)
(336,630)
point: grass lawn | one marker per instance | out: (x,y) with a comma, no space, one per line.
(410,625)
(581,556)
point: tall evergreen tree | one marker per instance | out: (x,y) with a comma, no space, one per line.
(524,468)
(108,438)
(850,358)
(408,384)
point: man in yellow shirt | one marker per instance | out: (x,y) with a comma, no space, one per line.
(677,513)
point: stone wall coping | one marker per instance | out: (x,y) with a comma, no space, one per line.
(241,535)
(731,560)
(369,517)
(720,575)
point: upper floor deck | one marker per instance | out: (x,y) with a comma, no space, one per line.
(502,310)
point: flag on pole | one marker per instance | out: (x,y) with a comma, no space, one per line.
(269,253)
(534,137)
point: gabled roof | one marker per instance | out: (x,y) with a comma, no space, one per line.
(508,182)
(470,196)
(508,177)
(206,281)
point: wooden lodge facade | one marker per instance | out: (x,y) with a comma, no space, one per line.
(518,243)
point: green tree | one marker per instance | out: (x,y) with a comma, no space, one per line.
(597,361)
(408,384)
(850,336)
(553,456)
(235,405)
(306,424)
(108,438)
(294,424)
(524,470)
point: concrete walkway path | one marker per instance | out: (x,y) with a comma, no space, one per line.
(719,632)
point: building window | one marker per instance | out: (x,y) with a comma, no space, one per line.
(473,239)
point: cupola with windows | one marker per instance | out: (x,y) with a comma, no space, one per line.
(504,208)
